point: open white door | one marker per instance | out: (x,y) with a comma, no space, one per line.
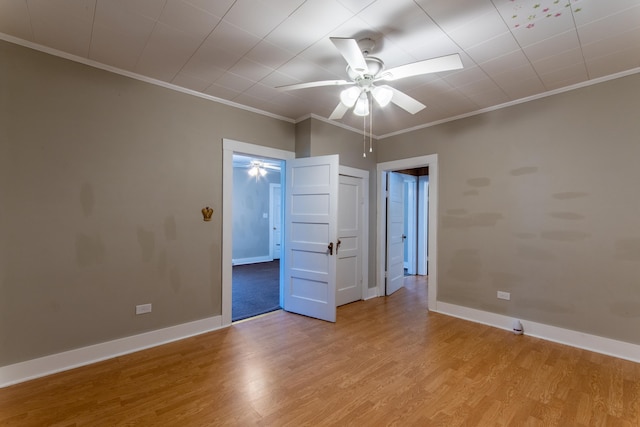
(311,216)
(395,233)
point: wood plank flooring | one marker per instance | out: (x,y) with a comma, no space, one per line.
(387,361)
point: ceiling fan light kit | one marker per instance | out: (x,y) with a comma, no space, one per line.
(364,71)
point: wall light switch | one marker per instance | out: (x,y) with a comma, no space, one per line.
(143,308)
(265,215)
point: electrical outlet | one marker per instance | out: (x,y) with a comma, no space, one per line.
(143,308)
(504,295)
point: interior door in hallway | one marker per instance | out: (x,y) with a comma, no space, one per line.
(395,233)
(349,246)
(311,212)
(275,219)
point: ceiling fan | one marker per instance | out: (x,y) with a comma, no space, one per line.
(367,76)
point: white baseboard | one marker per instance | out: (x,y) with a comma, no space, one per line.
(370,293)
(47,365)
(619,349)
(253,260)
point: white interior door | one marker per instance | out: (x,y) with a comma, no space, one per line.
(395,233)
(311,212)
(275,219)
(349,245)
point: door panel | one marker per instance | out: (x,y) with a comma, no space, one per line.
(349,279)
(395,233)
(311,211)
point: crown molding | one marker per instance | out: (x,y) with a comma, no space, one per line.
(130,74)
(517,101)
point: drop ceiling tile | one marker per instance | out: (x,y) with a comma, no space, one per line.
(410,29)
(559,61)
(484,27)
(234,82)
(504,63)
(251,70)
(488,98)
(218,7)
(166,52)
(277,78)
(65,26)
(222,92)
(121,19)
(610,26)
(221,50)
(189,19)
(148,8)
(14,19)
(613,63)
(204,64)
(301,70)
(498,46)
(466,76)
(356,6)
(455,14)
(259,17)
(595,10)
(524,88)
(188,81)
(262,91)
(308,24)
(573,74)
(514,75)
(562,42)
(116,48)
(269,54)
(478,87)
(542,28)
(622,42)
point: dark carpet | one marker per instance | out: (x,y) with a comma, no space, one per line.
(255,289)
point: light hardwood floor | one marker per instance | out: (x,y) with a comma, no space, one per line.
(386,361)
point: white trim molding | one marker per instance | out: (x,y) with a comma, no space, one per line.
(229,147)
(431,161)
(252,260)
(610,347)
(47,365)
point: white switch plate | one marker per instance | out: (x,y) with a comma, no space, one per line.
(143,308)
(504,295)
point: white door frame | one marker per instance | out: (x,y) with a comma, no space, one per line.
(416,162)
(229,147)
(364,175)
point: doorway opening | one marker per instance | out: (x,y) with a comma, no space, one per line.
(257,237)
(231,148)
(425,235)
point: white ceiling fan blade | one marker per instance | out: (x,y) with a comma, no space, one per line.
(314,84)
(350,50)
(434,65)
(406,102)
(339,112)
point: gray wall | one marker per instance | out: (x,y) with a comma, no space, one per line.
(250,201)
(102,179)
(541,200)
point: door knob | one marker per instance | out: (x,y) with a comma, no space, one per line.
(338,246)
(330,247)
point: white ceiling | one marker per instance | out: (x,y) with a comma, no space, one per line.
(240,50)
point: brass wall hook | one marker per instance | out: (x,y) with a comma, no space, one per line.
(207,212)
